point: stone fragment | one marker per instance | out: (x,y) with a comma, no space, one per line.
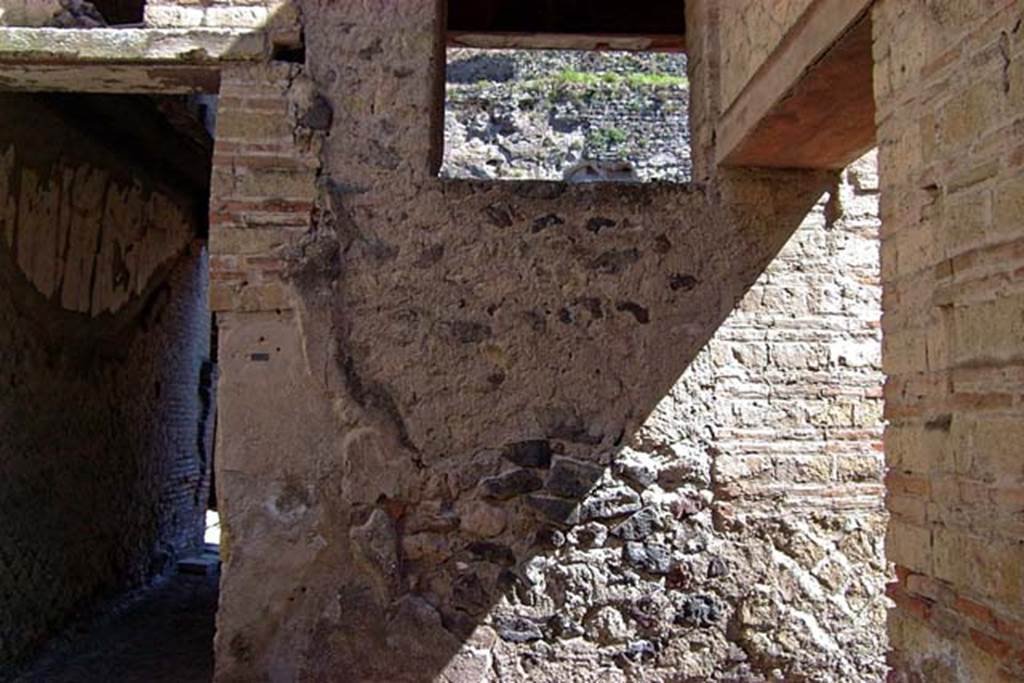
(561,626)
(319,115)
(598,223)
(609,502)
(550,537)
(607,626)
(686,505)
(494,553)
(430,547)
(680,577)
(500,214)
(591,535)
(639,526)
(638,469)
(78,14)
(416,630)
(547,221)
(615,261)
(430,516)
(557,510)
(532,453)
(717,567)
(681,282)
(640,313)
(516,629)
(482,519)
(701,611)
(572,478)
(638,650)
(376,548)
(469,594)
(654,558)
(511,484)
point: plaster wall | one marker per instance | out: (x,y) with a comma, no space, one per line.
(103,335)
(949,82)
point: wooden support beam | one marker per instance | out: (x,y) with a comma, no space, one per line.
(110,78)
(577,17)
(811,104)
(131,45)
(568,41)
(120,60)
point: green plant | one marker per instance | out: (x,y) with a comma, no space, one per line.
(607,137)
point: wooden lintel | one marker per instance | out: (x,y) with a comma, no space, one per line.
(811,105)
(568,41)
(164,79)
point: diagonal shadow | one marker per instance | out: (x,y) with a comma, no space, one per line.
(480,503)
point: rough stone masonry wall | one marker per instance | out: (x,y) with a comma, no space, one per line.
(103,335)
(538,114)
(949,80)
(435,457)
(780,414)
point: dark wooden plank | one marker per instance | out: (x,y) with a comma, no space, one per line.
(569,41)
(580,17)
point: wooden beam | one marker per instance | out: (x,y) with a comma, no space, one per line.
(568,41)
(162,79)
(811,104)
(130,46)
(120,60)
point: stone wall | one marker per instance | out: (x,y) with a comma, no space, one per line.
(437,455)
(778,418)
(949,80)
(542,113)
(104,333)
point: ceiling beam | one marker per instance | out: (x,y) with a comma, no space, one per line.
(568,41)
(811,104)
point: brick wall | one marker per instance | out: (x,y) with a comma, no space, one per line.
(949,81)
(786,401)
(279,18)
(264,182)
(104,331)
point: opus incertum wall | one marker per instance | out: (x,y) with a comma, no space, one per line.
(437,395)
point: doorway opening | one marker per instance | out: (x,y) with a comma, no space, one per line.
(106,417)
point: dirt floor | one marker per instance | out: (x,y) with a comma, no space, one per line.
(162,635)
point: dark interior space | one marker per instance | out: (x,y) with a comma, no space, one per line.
(120,12)
(612,17)
(107,395)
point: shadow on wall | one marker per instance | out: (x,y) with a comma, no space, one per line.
(447,465)
(486,502)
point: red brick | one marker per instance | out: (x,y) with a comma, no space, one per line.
(974,610)
(993,646)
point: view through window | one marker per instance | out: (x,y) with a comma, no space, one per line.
(563,114)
